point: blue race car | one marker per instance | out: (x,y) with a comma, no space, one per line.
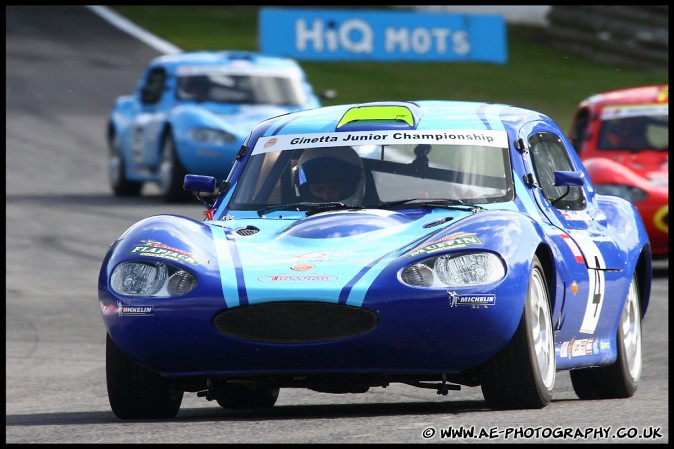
(430,243)
(191,112)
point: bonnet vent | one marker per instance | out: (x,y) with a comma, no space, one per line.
(435,223)
(248,230)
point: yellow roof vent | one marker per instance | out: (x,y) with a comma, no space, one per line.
(380,114)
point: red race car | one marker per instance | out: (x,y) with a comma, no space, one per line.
(622,138)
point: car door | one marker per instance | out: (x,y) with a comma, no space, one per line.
(581,223)
(147,124)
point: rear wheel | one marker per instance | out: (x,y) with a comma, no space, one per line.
(172,173)
(135,392)
(245,396)
(120,185)
(522,375)
(621,379)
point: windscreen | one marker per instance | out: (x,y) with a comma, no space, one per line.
(372,168)
(241,87)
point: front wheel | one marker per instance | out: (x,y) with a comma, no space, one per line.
(119,183)
(135,392)
(171,173)
(522,375)
(621,379)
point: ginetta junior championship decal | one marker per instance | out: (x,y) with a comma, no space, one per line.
(485,137)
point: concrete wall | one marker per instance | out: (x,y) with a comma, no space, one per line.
(516,14)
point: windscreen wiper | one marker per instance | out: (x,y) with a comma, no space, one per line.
(312,208)
(430,202)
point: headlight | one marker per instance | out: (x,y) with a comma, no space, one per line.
(460,270)
(631,194)
(211,136)
(151,279)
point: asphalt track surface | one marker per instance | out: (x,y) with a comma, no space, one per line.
(65,66)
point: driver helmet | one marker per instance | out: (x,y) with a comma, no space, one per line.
(332,168)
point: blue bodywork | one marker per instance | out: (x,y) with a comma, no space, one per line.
(354,257)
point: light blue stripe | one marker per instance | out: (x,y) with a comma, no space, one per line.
(359,290)
(227,268)
(492,114)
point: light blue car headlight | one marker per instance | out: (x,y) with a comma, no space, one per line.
(155,279)
(211,136)
(454,270)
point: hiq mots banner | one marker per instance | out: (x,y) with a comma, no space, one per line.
(368,35)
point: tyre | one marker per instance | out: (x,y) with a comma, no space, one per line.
(135,392)
(172,173)
(621,379)
(244,396)
(522,375)
(120,185)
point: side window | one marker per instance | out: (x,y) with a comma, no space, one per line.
(579,129)
(548,155)
(154,86)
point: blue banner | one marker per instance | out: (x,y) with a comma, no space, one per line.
(368,35)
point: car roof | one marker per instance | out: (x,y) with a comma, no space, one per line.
(424,115)
(229,58)
(658,93)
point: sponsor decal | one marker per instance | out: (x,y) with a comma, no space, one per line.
(577,215)
(660,219)
(474,301)
(271,142)
(634,110)
(663,95)
(356,34)
(302,267)
(312,256)
(564,349)
(595,346)
(574,248)
(604,345)
(123,310)
(580,347)
(452,241)
(152,248)
(569,348)
(282,278)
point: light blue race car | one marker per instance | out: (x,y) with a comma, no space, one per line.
(191,112)
(438,244)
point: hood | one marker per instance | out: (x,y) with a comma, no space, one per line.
(652,165)
(333,256)
(244,117)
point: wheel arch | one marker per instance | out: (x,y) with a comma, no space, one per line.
(544,254)
(644,272)
(110,132)
(166,132)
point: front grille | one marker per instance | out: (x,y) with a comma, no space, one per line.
(295,322)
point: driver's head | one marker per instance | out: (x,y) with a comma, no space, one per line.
(330,174)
